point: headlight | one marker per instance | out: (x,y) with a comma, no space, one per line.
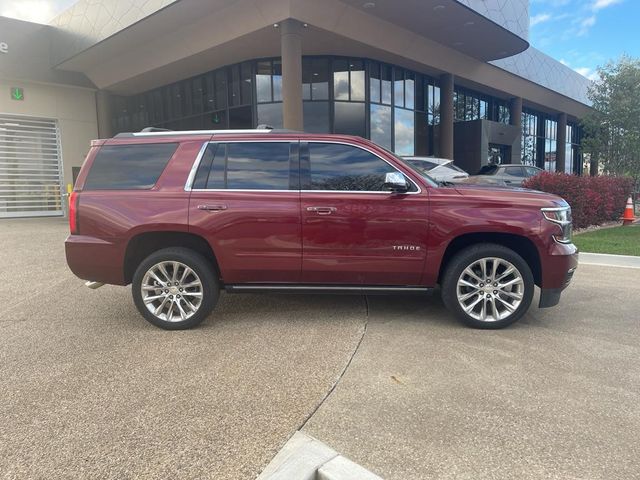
(561,216)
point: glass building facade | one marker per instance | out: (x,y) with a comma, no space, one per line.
(395,107)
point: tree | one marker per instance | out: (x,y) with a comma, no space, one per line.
(612,129)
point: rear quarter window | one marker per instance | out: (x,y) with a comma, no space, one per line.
(129,167)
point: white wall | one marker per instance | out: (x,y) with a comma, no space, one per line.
(73,107)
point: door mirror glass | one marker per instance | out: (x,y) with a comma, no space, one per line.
(395,182)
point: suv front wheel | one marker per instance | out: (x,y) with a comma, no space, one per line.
(174,288)
(488,286)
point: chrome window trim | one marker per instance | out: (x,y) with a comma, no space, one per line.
(196,164)
(194,167)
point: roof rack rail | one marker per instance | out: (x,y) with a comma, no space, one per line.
(162,132)
(155,129)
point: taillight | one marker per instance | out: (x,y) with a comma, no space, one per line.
(73,212)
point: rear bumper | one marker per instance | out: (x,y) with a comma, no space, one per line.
(558,271)
(95,259)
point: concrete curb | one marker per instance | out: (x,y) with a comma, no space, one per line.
(305,458)
(606,260)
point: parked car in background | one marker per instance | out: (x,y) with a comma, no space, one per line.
(440,169)
(505,175)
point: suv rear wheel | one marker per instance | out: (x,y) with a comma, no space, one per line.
(174,288)
(488,286)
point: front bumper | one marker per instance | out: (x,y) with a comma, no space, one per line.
(558,270)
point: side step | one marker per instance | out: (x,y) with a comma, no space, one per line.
(332,289)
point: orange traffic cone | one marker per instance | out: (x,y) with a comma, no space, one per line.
(628,218)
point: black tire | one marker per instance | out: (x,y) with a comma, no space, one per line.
(466,258)
(197,263)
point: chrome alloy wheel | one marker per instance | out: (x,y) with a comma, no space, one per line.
(490,289)
(171,291)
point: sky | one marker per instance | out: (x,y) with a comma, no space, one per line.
(583,34)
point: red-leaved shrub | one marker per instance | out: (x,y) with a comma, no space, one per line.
(593,200)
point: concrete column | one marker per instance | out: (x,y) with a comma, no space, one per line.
(446,116)
(515,112)
(103,111)
(291,52)
(561,143)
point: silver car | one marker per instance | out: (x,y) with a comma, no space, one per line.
(439,169)
(510,175)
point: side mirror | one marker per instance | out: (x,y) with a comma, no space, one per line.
(396,182)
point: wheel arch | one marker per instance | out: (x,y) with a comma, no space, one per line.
(144,244)
(520,244)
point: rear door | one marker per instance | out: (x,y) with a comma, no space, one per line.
(353,230)
(245,201)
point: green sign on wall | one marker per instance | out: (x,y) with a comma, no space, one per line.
(17,93)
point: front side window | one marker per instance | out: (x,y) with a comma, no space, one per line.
(245,166)
(346,168)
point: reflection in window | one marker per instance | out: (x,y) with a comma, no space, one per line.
(404,132)
(341,80)
(357,80)
(270,114)
(381,125)
(251,165)
(315,79)
(349,118)
(316,117)
(346,168)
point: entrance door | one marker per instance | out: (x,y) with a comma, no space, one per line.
(245,201)
(499,154)
(353,231)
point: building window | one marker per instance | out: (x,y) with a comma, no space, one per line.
(550,144)
(501,112)
(469,105)
(530,138)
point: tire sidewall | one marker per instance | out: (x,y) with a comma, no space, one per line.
(199,265)
(468,256)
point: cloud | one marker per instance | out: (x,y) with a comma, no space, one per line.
(585,25)
(600,4)
(38,11)
(588,72)
(540,18)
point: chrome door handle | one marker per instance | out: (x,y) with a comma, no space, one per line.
(212,208)
(322,210)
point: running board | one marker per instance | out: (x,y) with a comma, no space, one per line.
(335,289)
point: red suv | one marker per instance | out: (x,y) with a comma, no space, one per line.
(183,215)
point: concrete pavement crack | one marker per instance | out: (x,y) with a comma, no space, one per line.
(346,367)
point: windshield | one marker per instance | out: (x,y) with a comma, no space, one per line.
(420,171)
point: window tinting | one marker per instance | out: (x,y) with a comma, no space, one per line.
(125,167)
(250,166)
(346,168)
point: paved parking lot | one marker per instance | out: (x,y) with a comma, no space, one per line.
(90,390)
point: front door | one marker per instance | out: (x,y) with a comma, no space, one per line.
(353,231)
(245,201)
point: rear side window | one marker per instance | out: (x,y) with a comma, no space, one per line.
(245,166)
(129,167)
(513,172)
